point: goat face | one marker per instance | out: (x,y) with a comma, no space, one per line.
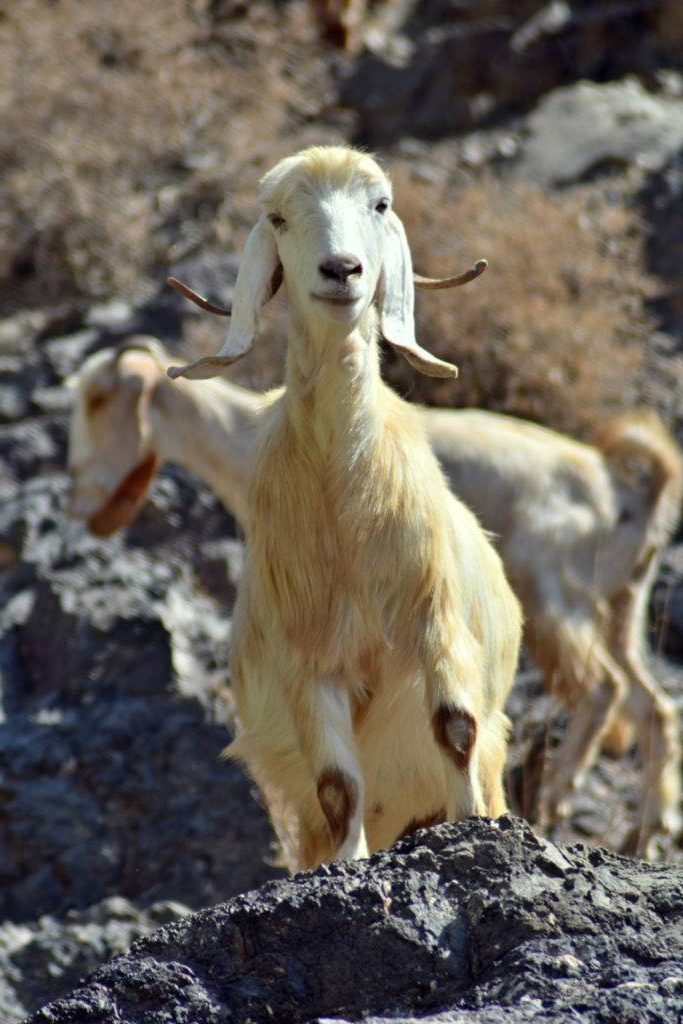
(329,211)
(110,459)
(327,226)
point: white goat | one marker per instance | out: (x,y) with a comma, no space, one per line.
(581,531)
(563,512)
(376,636)
(128,419)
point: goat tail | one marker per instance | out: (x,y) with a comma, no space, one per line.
(644,457)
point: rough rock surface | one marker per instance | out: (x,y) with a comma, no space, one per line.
(584,128)
(42,959)
(452,65)
(662,204)
(112,682)
(481,919)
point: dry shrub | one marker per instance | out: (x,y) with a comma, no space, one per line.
(133,132)
(555,330)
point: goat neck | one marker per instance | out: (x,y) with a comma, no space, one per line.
(208,428)
(332,376)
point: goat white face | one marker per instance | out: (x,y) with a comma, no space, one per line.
(328,226)
(331,241)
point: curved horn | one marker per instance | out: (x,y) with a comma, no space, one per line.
(199,300)
(434,283)
(259,277)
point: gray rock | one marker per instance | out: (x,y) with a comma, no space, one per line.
(40,960)
(14,403)
(450,66)
(210,273)
(129,796)
(667,604)
(582,128)
(111,670)
(27,448)
(114,315)
(661,202)
(480,920)
(66,354)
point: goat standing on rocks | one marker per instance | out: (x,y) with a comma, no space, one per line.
(580,530)
(376,636)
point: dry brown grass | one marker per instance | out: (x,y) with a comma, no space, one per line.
(134,133)
(131,129)
(556,329)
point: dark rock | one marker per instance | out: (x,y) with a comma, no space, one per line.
(464,63)
(667,604)
(662,204)
(130,797)
(65,354)
(27,448)
(479,919)
(213,274)
(40,960)
(112,669)
(14,403)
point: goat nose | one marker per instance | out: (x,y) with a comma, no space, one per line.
(341,266)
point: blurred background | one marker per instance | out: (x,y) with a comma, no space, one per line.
(546,137)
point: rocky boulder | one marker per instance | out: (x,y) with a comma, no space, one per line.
(479,919)
(114,707)
(584,128)
(446,66)
(40,960)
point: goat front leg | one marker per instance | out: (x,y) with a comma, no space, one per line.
(328,742)
(454,690)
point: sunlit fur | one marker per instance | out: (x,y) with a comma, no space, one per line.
(572,526)
(581,530)
(373,616)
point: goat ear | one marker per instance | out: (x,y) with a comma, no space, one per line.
(259,277)
(397,303)
(128,498)
(126,501)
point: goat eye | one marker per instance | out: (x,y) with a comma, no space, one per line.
(382,206)
(276,220)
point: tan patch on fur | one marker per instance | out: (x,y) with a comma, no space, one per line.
(438,818)
(124,504)
(338,797)
(455,730)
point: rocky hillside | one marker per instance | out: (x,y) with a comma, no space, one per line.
(475,922)
(132,143)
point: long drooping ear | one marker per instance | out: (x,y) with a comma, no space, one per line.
(397,304)
(259,277)
(126,501)
(137,384)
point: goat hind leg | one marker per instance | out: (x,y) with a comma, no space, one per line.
(657,719)
(602,688)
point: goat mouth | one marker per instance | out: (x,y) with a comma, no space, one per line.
(336,300)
